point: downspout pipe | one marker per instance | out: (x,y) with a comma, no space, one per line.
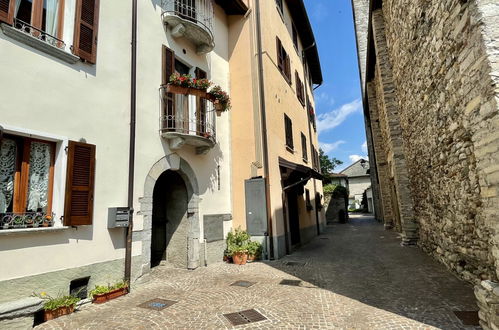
(131,161)
(264,128)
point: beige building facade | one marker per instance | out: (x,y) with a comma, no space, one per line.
(276,185)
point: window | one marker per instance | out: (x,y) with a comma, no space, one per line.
(315,157)
(295,36)
(45,15)
(288,128)
(26,175)
(283,61)
(300,89)
(308,203)
(280,5)
(304,147)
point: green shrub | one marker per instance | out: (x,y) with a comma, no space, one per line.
(336,190)
(52,303)
(102,289)
(237,241)
(255,249)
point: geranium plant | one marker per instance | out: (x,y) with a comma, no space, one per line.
(201,83)
(184,80)
(220,97)
(53,303)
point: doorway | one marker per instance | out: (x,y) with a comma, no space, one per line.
(293,216)
(169,234)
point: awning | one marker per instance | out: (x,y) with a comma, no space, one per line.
(300,168)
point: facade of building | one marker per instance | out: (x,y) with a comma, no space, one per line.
(431,101)
(68,134)
(65,141)
(277,192)
(359,180)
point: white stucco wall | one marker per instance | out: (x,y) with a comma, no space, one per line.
(69,102)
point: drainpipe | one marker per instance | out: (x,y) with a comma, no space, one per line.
(131,161)
(264,128)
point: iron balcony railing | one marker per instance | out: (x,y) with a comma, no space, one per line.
(187,114)
(11,220)
(38,34)
(200,12)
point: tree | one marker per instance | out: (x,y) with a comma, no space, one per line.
(328,164)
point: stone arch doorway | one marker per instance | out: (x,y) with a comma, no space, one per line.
(173,164)
(169,230)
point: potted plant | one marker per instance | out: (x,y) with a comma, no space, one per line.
(254,251)
(220,99)
(103,293)
(179,84)
(237,245)
(55,307)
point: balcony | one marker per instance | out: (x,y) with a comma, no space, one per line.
(187,120)
(191,19)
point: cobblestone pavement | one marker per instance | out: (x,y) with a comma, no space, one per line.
(354,276)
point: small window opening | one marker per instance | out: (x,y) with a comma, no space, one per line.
(79,287)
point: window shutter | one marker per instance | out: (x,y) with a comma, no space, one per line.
(288,68)
(79,201)
(280,60)
(86,24)
(201,105)
(168,105)
(7,11)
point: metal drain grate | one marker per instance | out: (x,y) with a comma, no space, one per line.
(468,317)
(244,317)
(157,304)
(290,282)
(324,237)
(295,263)
(244,284)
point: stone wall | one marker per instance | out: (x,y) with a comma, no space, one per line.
(447,115)
(333,206)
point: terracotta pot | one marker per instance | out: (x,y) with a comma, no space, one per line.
(198,92)
(177,89)
(240,258)
(251,258)
(53,314)
(102,298)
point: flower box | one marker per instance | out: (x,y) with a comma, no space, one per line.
(175,89)
(102,298)
(55,313)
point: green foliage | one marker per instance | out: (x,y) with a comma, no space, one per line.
(102,289)
(52,303)
(336,190)
(328,164)
(254,249)
(238,241)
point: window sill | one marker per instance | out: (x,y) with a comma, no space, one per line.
(305,160)
(290,149)
(37,44)
(5,232)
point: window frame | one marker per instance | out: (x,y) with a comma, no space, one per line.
(294,34)
(280,6)
(36,20)
(283,61)
(21,175)
(288,133)
(304,151)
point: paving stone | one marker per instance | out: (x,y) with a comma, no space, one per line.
(361,278)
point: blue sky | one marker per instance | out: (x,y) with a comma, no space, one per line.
(338,101)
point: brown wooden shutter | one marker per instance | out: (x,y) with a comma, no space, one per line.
(280,59)
(86,26)
(201,106)
(79,201)
(288,68)
(168,102)
(7,11)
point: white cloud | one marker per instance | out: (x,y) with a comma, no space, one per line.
(328,147)
(354,158)
(325,99)
(334,118)
(364,147)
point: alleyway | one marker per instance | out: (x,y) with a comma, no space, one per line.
(355,276)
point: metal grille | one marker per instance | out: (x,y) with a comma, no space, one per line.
(157,304)
(25,220)
(244,284)
(200,12)
(244,317)
(38,34)
(290,282)
(468,317)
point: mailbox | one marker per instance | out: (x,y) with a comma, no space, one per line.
(118,217)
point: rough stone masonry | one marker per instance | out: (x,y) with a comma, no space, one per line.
(432,100)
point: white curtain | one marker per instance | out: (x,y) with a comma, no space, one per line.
(39,168)
(7,170)
(18,4)
(52,11)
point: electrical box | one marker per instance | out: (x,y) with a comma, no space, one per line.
(256,207)
(118,217)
